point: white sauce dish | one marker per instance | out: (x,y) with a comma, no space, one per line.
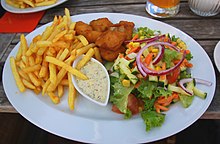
(97,87)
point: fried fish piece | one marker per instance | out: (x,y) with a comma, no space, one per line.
(125,27)
(101,24)
(110,40)
(109,55)
(86,30)
(92,36)
(129,27)
(82,27)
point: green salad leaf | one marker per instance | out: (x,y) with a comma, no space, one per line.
(174,38)
(186,100)
(152,119)
(146,32)
(149,104)
(119,95)
(148,89)
(160,91)
(184,74)
(189,56)
(169,56)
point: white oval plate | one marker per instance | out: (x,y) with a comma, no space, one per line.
(29,10)
(96,124)
(217,56)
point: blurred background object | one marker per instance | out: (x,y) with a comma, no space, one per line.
(162,8)
(205,7)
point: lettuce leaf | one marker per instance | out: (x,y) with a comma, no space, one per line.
(119,96)
(148,89)
(149,104)
(146,32)
(185,74)
(160,91)
(169,56)
(186,100)
(152,119)
(189,56)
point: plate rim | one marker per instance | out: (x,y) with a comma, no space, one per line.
(216,49)
(29,10)
(95,123)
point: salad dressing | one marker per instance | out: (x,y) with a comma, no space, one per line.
(96,87)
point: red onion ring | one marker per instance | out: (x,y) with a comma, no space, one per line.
(141,70)
(159,55)
(186,80)
(170,45)
(163,72)
(201,81)
(182,82)
(144,71)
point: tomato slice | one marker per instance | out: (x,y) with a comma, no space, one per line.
(173,76)
(134,105)
(116,110)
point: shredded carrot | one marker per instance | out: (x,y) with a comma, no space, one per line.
(168,47)
(166,104)
(161,107)
(127,58)
(187,51)
(157,109)
(134,49)
(175,61)
(185,63)
(148,59)
(166,39)
(150,68)
(135,37)
(163,77)
(174,43)
(134,64)
(175,95)
(188,64)
(165,100)
(137,84)
(162,102)
(168,99)
(121,55)
(164,66)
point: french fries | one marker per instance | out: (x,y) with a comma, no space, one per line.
(29,3)
(45,66)
(17,77)
(66,67)
(85,59)
(72,93)
(97,54)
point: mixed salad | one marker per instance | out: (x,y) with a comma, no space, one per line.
(151,75)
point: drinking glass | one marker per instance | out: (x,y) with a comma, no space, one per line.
(162,8)
(205,7)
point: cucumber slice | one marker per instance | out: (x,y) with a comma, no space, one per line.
(177,89)
(199,93)
(186,100)
(152,78)
(190,85)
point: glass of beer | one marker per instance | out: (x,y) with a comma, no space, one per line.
(162,8)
